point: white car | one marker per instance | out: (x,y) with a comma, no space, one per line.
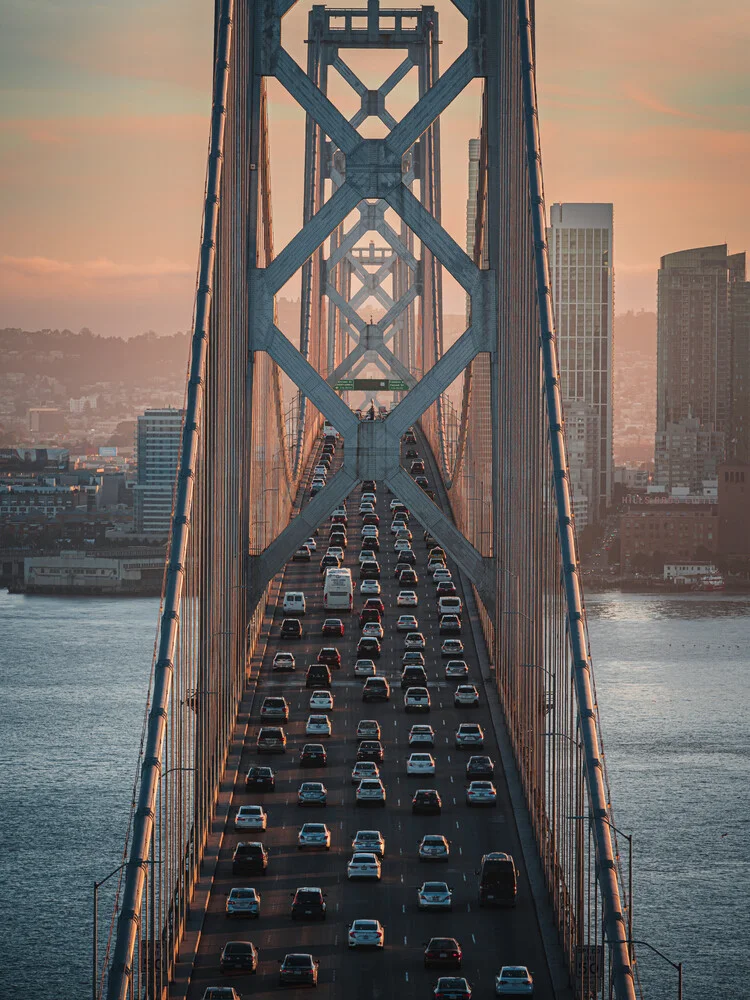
(320,471)
(312,544)
(417,699)
(514,980)
(370,791)
(394,503)
(335,550)
(243,902)
(397,526)
(314,835)
(366,934)
(403,534)
(407,599)
(435,564)
(369,842)
(367,554)
(401,544)
(456,670)
(318,725)
(251,818)
(481,793)
(365,668)
(366,508)
(368,498)
(434,847)
(369,588)
(420,763)
(435,896)
(322,700)
(369,531)
(421,736)
(339,512)
(469,734)
(363,866)
(364,769)
(465,695)
(407,623)
(374,629)
(414,640)
(441,575)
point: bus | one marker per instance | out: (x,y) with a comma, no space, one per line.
(498,885)
(338,589)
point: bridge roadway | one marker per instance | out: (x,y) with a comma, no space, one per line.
(489,938)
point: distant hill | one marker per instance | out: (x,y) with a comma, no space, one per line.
(635,332)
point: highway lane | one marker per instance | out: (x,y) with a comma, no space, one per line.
(489,938)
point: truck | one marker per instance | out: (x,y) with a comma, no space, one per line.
(338,589)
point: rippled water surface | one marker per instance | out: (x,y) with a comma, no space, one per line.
(672,677)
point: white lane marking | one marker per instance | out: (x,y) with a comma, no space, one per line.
(452,783)
(403,907)
(406,976)
(454,802)
(464,876)
(457,826)
(449,758)
(398,802)
(336,940)
(404,938)
(472,936)
(402,878)
(337,907)
(460,850)
(400,850)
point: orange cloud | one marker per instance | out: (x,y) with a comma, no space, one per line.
(646,100)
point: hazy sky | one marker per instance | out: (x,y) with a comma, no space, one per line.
(103,131)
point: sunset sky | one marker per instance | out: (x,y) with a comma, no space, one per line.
(103,132)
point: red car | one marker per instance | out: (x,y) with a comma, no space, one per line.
(443,951)
(330,655)
(332,626)
(376,603)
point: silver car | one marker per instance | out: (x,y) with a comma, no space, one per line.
(370,791)
(514,980)
(434,847)
(365,668)
(481,793)
(422,736)
(370,842)
(312,793)
(414,640)
(407,623)
(435,896)
(314,835)
(465,696)
(469,734)
(243,902)
(364,769)
(363,866)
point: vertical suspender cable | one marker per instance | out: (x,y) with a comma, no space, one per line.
(616,935)
(128,924)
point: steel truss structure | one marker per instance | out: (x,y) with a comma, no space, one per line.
(229,540)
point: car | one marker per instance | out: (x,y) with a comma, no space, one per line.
(364,769)
(417,699)
(422,481)
(312,793)
(469,734)
(435,896)
(291,628)
(368,497)
(456,670)
(250,818)
(365,668)
(434,847)
(369,587)
(369,531)
(249,857)
(397,526)
(369,570)
(318,675)
(407,599)
(308,901)
(330,656)
(401,544)
(260,779)
(417,467)
(404,535)
(368,729)
(366,508)
(465,696)
(271,739)
(370,791)
(437,553)
(243,902)
(312,544)
(321,700)
(332,626)
(446,588)
(370,842)
(302,554)
(407,623)
(412,453)
(274,708)
(435,564)
(406,557)
(370,517)
(420,763)
(413,658)
(329,562)
(339,516)
(414,640)
(368,648)
(395,503)
(514,980)
(320,470)
(443,951)
(376,688)
(449,625)
(221,993)
(314,835)
(316,487)
(452,987)
(374,629)
(481,793)
(426,802)
(369,615)
(337,544)
(283,663)
(239,956)
(318,725)
(363,866)
(297,969)
(366,934)
(370,750)
(421,736)
(313,755)
(451,648)
(441,575)
(413,676)
(480,766)
(408,577)
(374,604)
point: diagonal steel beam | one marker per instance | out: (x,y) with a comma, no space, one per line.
(356,233)
(347,74)
(345,308)
(398,307)
(397,366)
(314,101)
(396,76)
(349,361)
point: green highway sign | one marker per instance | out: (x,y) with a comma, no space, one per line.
(377,384)
(344,384)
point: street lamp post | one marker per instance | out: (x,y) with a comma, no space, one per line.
(675,965)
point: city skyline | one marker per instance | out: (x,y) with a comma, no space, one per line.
(104,133)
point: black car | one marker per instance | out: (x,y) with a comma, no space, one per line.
(313,755)
(374,602)
(250,858)
(329,561)
(412,658)
(368,615)
(369,569)
(480,766)
(443,952)
(371,519)
(239,955)
(271,739)
(308,903)
(376,689)
(417,467)
(426,801)
(369,486)
(260,779)
(297,969)
(446,588)
(407,577)
(368,648)
(405,556)
(421,481)
(371,542)
(370,750)
(332,626)
(449,625)
(291,628)
(318,676)
(330,655)
(413,676)
(412,453)
(337,538)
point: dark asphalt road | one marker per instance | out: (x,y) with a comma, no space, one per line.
(489,938)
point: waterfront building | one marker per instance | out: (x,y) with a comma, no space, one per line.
(158,439)
(667,531)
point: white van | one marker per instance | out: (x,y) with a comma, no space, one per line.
(449,606)
(338,590)
(294,603)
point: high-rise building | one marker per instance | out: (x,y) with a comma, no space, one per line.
(580,239)
(158,438)
(702,357)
